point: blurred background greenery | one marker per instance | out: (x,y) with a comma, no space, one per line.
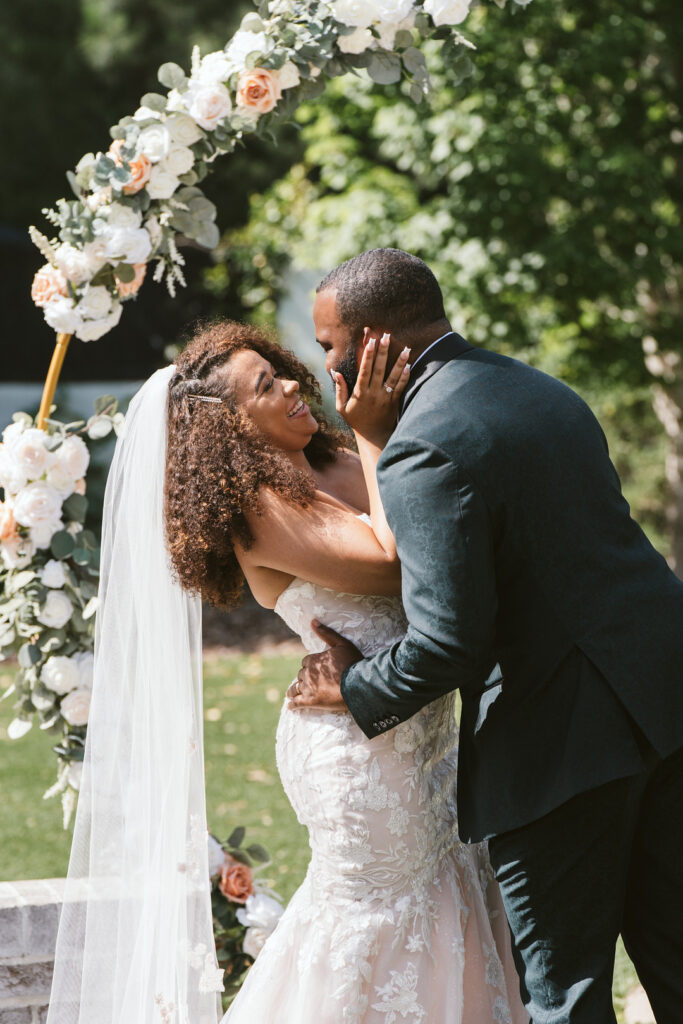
(544,188)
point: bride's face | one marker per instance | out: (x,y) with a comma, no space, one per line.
(272,401)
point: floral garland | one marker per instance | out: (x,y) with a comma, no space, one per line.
(48,579)
(134,202)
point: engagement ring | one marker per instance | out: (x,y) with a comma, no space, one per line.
(388,389)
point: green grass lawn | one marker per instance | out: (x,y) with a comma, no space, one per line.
(242,700)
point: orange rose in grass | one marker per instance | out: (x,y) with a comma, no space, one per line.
(47,283)
(128,288)
(237,881)
(258,90)
(140,168)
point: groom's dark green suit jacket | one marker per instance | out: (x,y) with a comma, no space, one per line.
(527,586)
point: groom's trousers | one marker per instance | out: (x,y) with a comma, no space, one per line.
(608,861)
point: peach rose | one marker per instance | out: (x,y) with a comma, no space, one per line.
(127,288)
(47,283)
(237,882)
(258,90)
(8,524)
(140,167)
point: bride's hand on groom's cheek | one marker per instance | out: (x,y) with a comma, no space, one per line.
(317,684)
(372,407)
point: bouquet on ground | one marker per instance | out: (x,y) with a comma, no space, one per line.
(245,911)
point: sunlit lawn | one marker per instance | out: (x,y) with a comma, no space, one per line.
(242,700)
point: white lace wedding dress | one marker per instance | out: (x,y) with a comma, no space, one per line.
(397,921)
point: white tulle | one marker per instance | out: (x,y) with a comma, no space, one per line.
(135,942)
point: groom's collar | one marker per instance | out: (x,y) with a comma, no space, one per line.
(432,359)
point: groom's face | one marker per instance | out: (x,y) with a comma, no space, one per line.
(342,350)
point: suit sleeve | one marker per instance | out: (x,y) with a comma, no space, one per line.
(444,538)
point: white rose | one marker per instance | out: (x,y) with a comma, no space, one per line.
(73,263)
(392,11)
(216,856)
(260,911)
(61,314)
(12,477)
(209,105)
(11,433)
(358,41)
(55,613)
(179,160)
(96,302)
(17,553)
(86,663)
(183,130)
(37,503)
(52,574)
(254,941)
(60,480)
(73,457)
(98,427)
(42,533)
(130,245)
(120,216)
(355,13)
(30,454)
(91,330)
(447,12)
(162,184)
(96,251)
(74,774)
(59,673)
(75,707)
(243,43)
(214,68)
(288,75)
(154,142)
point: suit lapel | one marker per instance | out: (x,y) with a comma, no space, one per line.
(446,349)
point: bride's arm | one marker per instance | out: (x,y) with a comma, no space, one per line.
(321,543)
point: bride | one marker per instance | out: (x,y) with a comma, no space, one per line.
(225,466)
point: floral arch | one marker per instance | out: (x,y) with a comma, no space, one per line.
(131,207)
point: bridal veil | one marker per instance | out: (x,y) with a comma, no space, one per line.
(135,942)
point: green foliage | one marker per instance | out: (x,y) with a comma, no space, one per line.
(544,192)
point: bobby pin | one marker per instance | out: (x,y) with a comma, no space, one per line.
(204,398)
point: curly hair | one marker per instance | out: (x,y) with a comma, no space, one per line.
(218,462)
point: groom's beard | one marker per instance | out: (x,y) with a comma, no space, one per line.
(348,367)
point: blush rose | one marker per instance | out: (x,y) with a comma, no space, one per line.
(258,91)
(237,881)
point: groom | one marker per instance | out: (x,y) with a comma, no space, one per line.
(529,588)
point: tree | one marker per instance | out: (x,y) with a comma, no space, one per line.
(546,193)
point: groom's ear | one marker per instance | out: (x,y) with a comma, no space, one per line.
(365,335)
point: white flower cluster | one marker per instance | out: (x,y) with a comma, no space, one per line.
(36,482)
(260,916)
(134,200)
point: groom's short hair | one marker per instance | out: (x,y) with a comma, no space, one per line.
(385,288)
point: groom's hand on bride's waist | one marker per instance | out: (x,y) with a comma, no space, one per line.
(317,684)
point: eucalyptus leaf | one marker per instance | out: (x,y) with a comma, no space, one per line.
(73,183)
(75,507)
(81,556)
(125,272)
(207,235)
(414,61)
(203,208)
(403,39)
(104,401)
(155,101)
(87,539)
(171,75)
(62,544)
(18,580)
(28,655)
(385,68)
(90,608)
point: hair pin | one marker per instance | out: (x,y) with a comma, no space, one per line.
(204,398)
